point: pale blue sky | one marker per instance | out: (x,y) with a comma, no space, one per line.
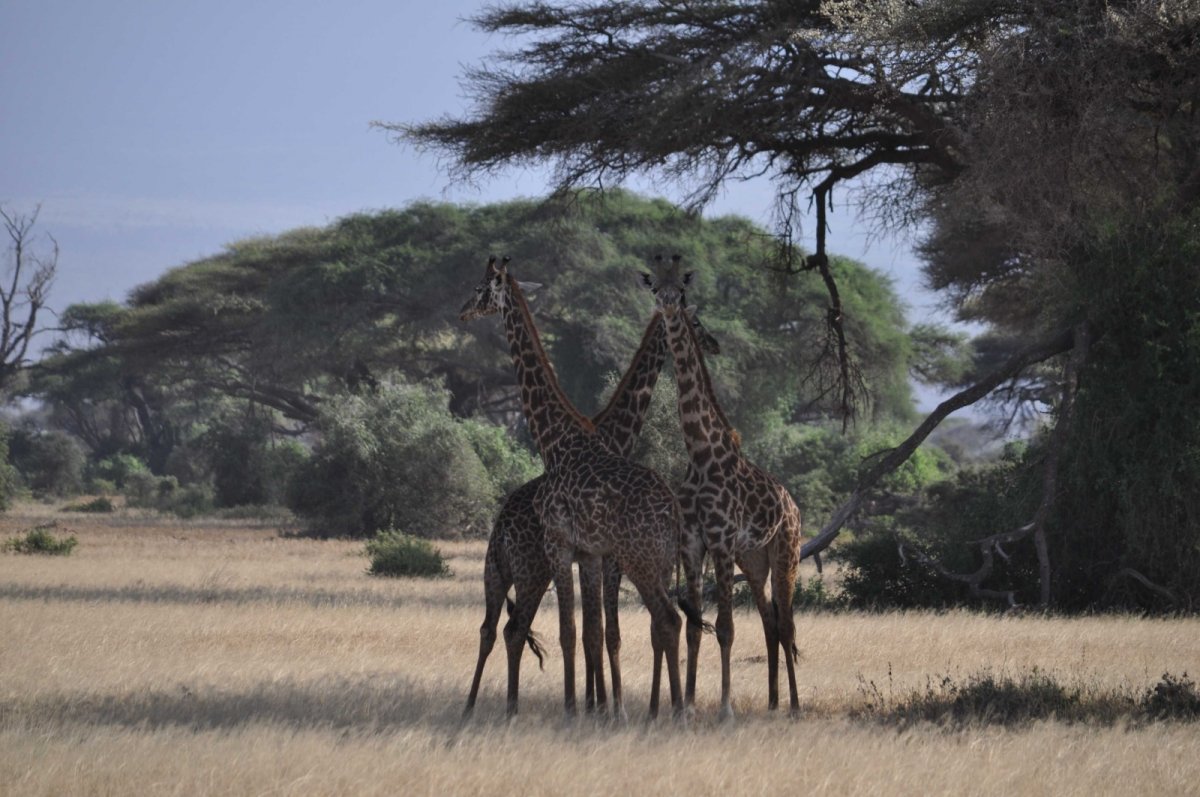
(153,133)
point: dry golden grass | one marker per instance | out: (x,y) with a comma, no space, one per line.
(202,658)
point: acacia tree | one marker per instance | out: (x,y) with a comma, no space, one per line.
(1016,128)
(23,290)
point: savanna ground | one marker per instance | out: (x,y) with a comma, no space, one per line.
(167,657)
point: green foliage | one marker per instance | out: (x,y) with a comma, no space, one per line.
(393,459)
(100,504)
(117,469)
(395,554)
(308,314)
(949,517)
(1130,475)
(39,540)
(10,478)
(819,465)
(508,464)
(248,465)
(50,462)
(164,494)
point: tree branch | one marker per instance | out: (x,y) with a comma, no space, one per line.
(887,461)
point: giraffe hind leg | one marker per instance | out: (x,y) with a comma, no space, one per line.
(495,596)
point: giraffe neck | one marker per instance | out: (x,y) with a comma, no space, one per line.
(550,415)
(620,422)
(706,431)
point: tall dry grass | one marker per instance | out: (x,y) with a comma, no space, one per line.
(193,658)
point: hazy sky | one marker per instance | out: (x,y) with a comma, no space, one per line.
(153,133)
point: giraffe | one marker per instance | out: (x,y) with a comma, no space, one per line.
(516,553)
(590,502)
(733,510)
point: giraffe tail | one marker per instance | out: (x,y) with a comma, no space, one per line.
(536,646)
(694,618)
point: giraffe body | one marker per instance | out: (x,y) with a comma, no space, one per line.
(591,503)
(733,510)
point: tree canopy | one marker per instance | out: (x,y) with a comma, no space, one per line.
(1032,140)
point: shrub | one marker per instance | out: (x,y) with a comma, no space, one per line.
(101,504)
(944,524)
(395,554)
(507,462)
(51,463)
(39,540)
(394,459)
(249,467)
(117,469)
(1172,698)
(163,493)
(10,479)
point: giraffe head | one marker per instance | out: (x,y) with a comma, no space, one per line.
(669,286)
(493,291)
(490,294)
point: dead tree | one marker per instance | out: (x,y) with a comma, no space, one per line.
(23,291)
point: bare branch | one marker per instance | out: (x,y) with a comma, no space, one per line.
(891,459)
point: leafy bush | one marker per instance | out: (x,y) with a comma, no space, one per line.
(163,493)
(508,464)
(117,469)
(949,517)
(39,540)
(98,505)
(395,554)
(395,459)
(249,466)
(10,479)
(50,463)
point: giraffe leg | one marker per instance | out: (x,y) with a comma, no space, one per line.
(612,634)
(656,678)
(756,565)
(723,565)
(517,633)
(494,594)
(693,567)
(564,588)
(784,570)
(665,625)
(593,632)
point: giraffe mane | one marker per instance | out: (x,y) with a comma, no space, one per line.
(706,381)
(522,307)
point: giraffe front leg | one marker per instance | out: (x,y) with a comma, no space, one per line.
(612,634)
(564,589)
(693,567)
(593,632)
(723,565)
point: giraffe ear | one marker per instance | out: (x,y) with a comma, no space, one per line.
(647,279)
(691,310)
(528,287)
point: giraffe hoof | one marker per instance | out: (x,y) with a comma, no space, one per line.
(725,716)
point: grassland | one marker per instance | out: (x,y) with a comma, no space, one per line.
(217,658)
